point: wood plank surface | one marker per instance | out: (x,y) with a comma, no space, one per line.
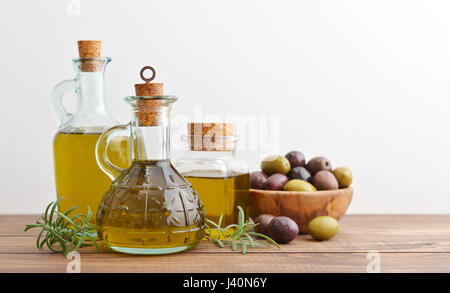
(231,263)
(406,243)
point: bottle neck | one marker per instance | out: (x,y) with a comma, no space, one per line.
(91,93)
(152,142)
(150,128)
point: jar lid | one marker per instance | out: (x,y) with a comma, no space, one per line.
(210,136)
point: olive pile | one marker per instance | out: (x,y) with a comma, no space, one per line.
(283,229)
(292,173)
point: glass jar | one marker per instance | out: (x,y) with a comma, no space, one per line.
(211,166)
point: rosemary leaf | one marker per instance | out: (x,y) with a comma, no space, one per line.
(220,221)
(233,246)
(240,218)
(265,237)
(244,247)
(250,240)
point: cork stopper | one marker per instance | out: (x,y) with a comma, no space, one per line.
(210,136)
(150,112)
(90,49)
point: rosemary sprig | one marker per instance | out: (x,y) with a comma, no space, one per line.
(241,237)
(64,232)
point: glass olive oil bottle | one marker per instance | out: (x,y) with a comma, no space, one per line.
(78,177)
(149,208)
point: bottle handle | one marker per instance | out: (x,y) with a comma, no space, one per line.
(101,152)
(57,94)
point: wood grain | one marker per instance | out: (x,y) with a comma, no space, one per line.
(406,243)
(231,263)
(11,225)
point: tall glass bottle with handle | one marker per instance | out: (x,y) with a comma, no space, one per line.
(78,178)
(150,207)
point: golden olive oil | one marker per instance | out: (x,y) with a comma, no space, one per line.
(150,209)
(124,239)
(222,195)
(78,177)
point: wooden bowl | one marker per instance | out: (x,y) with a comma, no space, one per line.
(301,207)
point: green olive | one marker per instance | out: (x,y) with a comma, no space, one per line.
(344,176)
(298,185)
(323,227)
(275,164)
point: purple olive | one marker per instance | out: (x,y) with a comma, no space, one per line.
(318,163)
(276,181)
(325,180)
(300,173)
(296,159)
(283,229)
(263,221)
(257,179)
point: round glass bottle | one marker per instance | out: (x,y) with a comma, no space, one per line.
(210,165)
(150,208)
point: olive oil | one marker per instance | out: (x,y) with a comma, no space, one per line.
(150,209)
(222,195)
(128,240)
(78,177)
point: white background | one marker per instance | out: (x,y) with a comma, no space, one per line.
(365,83)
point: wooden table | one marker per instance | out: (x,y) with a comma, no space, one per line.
(404,243)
